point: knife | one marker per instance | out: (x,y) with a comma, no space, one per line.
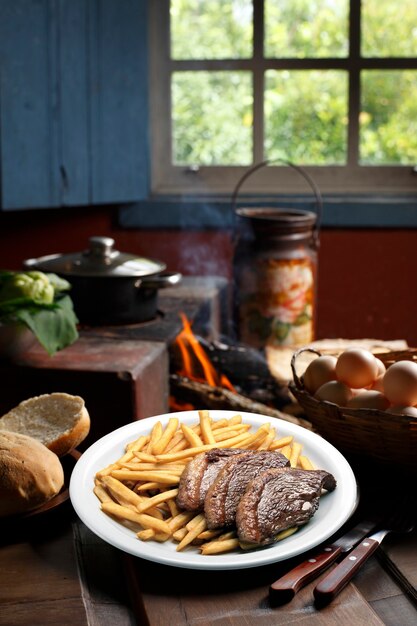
(337,579)
(285,588)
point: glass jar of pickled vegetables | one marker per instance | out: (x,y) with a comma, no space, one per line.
(275,273)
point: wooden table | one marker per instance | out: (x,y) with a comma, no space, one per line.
(53,570)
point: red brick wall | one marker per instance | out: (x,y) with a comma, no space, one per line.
(367,284)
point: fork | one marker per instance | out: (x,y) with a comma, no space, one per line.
(332,584)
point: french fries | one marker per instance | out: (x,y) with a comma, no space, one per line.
(140,488)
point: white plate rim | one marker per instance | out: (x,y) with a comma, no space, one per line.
(334,510)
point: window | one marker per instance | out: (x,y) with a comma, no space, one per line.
(330,85)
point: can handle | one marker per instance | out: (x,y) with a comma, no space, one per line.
(304,174)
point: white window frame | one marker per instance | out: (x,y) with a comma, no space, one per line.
(274,179)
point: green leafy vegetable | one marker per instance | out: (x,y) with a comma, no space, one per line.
(39,302)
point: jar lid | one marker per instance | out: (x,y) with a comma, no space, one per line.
(100,259)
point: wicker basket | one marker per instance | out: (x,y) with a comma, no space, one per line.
(369,433)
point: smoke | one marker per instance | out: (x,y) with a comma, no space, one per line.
(208,256)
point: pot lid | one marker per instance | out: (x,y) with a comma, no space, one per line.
(100,259)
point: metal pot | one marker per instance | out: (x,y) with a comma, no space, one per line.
(108,286)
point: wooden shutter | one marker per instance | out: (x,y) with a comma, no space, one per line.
(119,100)
(73,102)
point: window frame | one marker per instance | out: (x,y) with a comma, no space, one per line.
(276,178)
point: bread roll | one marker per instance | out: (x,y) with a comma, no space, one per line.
(30,474)
(59,420)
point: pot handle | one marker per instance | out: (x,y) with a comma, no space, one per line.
(303,173)
(169,279)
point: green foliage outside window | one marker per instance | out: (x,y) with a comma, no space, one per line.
(211,29)
(389,28)
(306,116)
(212,118)
(306,28)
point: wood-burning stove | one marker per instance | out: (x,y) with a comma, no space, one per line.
(121,371)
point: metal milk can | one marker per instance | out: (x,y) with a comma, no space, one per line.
(275,271)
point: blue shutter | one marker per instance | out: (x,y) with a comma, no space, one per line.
(72,78)
(119,100)
(73,102)
(27,113)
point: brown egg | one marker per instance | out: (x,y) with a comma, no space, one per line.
(318,372)
(381,371)
(368,399)
(402,410)
(356,368)
(378,384)
(334,391)
(381,367)
(400,383)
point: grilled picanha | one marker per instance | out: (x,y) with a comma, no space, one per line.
(278,499)
(199,474)
(223,495)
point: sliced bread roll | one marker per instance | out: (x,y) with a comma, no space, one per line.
(30,474)
(58,420)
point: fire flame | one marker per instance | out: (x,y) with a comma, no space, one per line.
(196,365)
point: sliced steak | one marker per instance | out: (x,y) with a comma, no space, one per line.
(278,499)
(199,475)
(225,492)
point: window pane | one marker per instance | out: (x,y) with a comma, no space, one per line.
(211,29)
(389,28)
(306,28)
(388,118)
(306,116)
(212,118)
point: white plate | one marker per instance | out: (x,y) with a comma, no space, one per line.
(334,510)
